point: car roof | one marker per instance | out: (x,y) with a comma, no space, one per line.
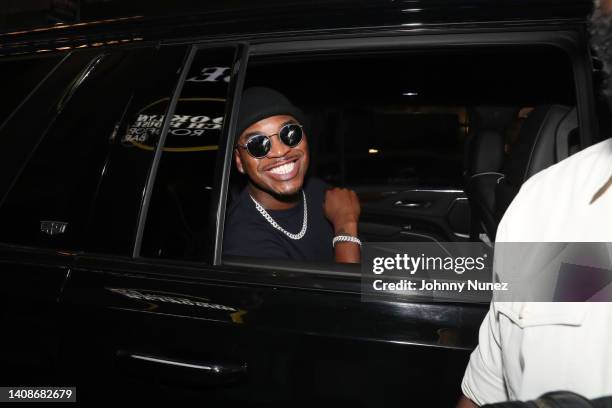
(146,20)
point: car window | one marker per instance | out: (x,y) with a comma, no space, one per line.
(60,198)
(180,222)
(30,113)
(31,71)
(403,118)
(395,126)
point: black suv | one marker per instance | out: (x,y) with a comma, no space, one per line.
(117,170)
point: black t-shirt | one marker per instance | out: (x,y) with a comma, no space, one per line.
(248,233)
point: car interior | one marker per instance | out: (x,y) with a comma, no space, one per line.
(433,141)
(427,147)
(548,135)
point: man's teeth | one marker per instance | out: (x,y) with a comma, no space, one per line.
(284,169)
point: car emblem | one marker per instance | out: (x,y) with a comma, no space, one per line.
(53,227)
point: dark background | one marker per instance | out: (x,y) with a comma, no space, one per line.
(24,14)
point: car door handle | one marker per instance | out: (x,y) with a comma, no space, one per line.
(186,371)
(411,204)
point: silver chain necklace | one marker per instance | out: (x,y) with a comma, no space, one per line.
(269,218)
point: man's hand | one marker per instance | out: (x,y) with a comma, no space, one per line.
(342,209)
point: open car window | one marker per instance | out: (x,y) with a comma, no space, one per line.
(393,126)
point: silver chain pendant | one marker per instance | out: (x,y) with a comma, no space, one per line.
(269,218)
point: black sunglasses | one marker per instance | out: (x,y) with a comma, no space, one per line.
(258,145)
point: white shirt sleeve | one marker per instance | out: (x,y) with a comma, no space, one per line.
(483,380)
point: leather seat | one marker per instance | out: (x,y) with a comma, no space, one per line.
(485,160)
(547,137)
(483,166)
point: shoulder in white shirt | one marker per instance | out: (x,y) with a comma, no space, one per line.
(528,349)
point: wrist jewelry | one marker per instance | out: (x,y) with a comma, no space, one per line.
(345,238)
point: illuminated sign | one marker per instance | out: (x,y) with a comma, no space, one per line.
(195,126)
(211,74)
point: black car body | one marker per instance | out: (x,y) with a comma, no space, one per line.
(114,281)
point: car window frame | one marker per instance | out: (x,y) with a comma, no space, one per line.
(568,41)
(149,184)
(342,278)
(222,163)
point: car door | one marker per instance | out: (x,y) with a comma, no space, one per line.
(419,214)
(172,323)
(149,331)
(40,233)
(407,173)
(183,117)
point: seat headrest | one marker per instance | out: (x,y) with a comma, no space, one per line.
(486,152)
(493,117)
(536,146)
(566,143)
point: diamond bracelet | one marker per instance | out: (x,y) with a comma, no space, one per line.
(345,238)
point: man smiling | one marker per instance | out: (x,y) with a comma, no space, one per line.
(282,213)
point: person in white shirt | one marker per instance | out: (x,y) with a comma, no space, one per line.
(529,348)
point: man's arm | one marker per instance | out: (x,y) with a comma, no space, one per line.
(483,381)
(465,402)
(342,209)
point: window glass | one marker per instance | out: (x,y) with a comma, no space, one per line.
(180,223)
(20,77)
(51,203)
(403,118)
(22,131)
(131,150)
(396,126)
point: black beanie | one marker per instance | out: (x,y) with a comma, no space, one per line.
(259,102)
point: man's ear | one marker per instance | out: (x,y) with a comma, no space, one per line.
(238,161)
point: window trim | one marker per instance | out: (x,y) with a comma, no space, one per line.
(568,41)
(221,182)
(299,276)
(226,149)
(150,183)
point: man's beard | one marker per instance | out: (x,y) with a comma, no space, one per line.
(601,41)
